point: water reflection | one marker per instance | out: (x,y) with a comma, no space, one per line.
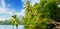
(11,27)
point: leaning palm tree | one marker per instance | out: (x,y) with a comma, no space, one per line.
(14,21)
(16,25)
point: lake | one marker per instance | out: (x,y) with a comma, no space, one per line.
(11,27)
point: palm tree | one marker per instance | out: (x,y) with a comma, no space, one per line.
(14,21)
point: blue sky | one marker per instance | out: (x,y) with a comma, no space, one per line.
(11,7)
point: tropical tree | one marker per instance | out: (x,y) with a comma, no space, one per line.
(14,21)
(27,15)
(38,15)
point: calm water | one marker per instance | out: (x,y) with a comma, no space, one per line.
(11,27)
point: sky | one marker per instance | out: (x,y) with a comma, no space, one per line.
(10,7)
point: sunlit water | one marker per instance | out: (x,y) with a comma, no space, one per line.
(11,27)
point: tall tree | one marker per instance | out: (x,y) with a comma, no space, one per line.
(27,14)
(41,13)
(14,21)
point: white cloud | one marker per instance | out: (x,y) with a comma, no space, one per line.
(3,3)
(8,12)
(2,19)
(21,13)
(2,10)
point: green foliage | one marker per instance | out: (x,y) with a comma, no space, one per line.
(38,15)
(6,22)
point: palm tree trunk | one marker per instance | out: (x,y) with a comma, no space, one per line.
(16,27)
(13,26)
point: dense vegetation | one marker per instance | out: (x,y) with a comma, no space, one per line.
(40,14)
